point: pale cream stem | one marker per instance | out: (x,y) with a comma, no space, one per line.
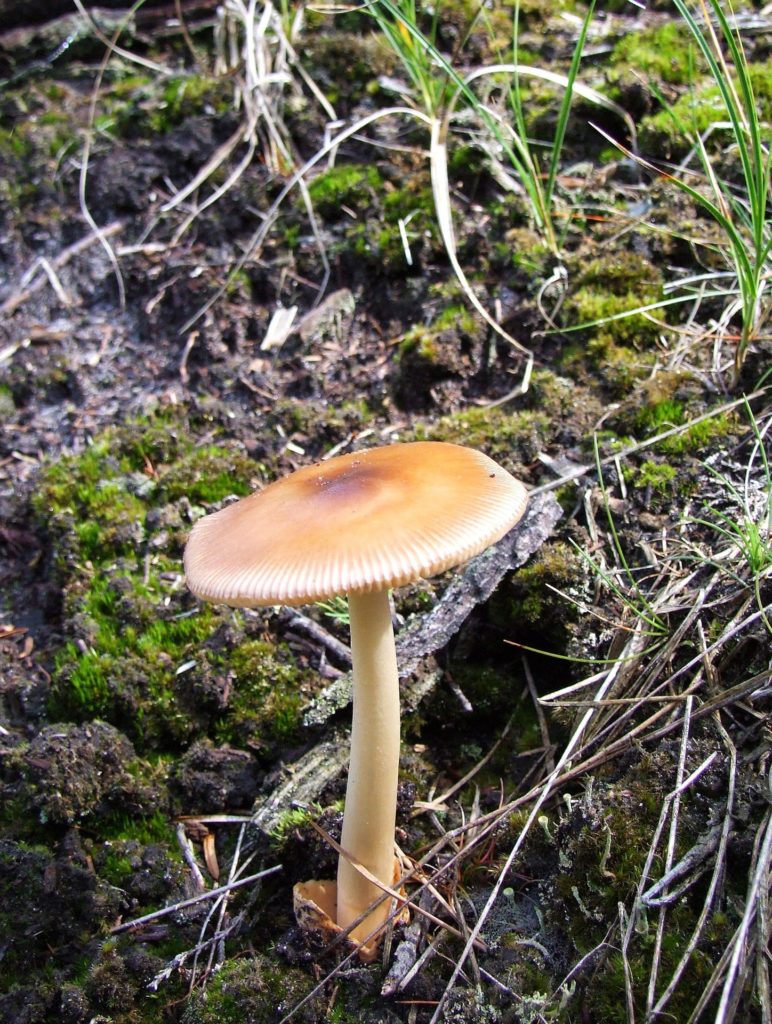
(371,793)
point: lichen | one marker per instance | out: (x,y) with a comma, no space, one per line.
(257,989)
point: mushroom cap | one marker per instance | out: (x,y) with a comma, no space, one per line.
(354,524)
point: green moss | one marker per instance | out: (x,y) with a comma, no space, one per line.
(134,655)
(528,599)
(265,710)
(187,95)
(664,54)
(257,989)
(128,673)
(699,436)
(98,500)
(700,111)
(138,105)
(619,342)
(139,828)
(611,285)
(664,413)
(426,342)
(511,438)
(207,475)
(117,514)
(351,185)
(525,250)
(659,476)
(373,240)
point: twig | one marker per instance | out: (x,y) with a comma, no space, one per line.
(212,893)
(458,693)
(24,293)
(191,341)
(296,620)
(648,442)
(675,807)
(186,847)
(178,960)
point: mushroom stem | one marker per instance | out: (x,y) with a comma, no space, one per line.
(371,792)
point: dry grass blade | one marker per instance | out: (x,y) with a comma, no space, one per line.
(740,963)
(399,899)
(87,144)
(438,157)
(719,867)
(221,890)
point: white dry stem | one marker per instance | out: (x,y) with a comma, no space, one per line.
(438,159)
(675,807)
(210,894)
(718,870)
(88,139)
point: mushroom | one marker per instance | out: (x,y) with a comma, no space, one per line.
(358,524)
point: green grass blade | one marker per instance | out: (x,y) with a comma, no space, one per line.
(565,106)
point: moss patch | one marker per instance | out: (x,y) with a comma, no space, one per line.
(511,438)
(670,133)
(618,341)
(665,53)
(138,651)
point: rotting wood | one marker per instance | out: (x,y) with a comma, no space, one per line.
(303,781)
(425,636)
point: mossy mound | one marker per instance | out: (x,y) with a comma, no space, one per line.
(513,439)
(701,112)
(526,602)
(256,990)
(668,401)
(448,348)
(69,773)
(138,651)
(649,66)
(52,904)
(379,228)
(603,303)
